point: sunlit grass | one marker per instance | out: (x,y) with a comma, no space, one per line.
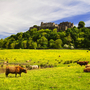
(58,78)
(63,77)
(21,55)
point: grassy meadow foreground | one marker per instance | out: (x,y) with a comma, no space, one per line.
(63,76)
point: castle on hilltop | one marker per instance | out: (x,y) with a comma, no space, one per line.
(62,26)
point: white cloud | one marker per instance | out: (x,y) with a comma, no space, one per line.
(87,23)
(18,15)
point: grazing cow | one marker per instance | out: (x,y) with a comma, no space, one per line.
(28,60)
(82,62)
(87,69)
(88,65)
(15,70)
(5,62)
(34,66)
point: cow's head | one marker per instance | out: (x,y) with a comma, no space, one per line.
(25,70)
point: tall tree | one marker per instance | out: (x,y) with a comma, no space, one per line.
(1,43)
(58,43)
(55,30)
(21,44)
(43,42)
(34,45)
(81,24)
(12,45)
(7,44)
(51,43)
(25,44)
(69,39)
(29,43)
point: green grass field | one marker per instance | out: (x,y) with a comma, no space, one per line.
(62,77)
(43,56)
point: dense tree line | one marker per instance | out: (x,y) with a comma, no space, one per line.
(76,37)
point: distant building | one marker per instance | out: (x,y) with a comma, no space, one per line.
(48,24)
(65,25)
(62,26)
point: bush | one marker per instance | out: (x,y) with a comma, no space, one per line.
(60,61)
(66,62)
(55,64)
(71,61)
(29,67)
(41,65)
(21,65)
(2,65)
(66,46)
(47,65)
(50,65)
(72,47)
(44,65)
(75,61)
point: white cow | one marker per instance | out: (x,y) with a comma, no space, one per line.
(34,66)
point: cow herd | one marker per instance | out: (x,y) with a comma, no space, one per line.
(87,67)
(18,69)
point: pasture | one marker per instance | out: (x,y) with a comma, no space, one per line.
(51,56)
(63,76)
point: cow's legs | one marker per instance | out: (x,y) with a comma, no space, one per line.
(6,74)
(15,74)
(20,74)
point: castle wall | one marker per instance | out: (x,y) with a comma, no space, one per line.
(62,26)
(65,25)
(47,24)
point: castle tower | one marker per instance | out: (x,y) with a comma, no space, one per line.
(41,24)
(65,25)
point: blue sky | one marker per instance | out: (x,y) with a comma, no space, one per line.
(19,15)
(75,19)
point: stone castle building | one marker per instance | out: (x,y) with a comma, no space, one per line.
(48,24)
(65,25)
(62,26)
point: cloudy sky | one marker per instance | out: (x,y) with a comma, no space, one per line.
(19,15)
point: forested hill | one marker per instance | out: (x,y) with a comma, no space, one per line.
(76,37)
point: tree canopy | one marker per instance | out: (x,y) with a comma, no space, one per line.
(47,38)
(81,24)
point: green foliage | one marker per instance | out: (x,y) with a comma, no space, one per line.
(55,30)
(51,43)
(34,45)
(19,35)
(43,42)
(33,31)
(69,39)
(29,42)
(12,45)
(1,43)
(48,38)
(21,65)
(35,26)
(58,43)
(25,44)
(81,24)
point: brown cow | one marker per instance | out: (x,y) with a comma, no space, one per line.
(15,70)
(82,62)
(88,65)
(87,69)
